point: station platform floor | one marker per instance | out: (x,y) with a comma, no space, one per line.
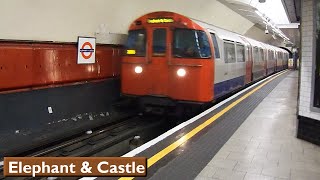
(265,145)
(251,135)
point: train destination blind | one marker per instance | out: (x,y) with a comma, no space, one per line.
(159,20)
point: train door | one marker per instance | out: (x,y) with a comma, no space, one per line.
(249,60)
(266,60)
(275,58)
(157,58)
(249,64)
(274,61)
(230,60)
(263,64)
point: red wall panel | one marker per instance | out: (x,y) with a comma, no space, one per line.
(27,65)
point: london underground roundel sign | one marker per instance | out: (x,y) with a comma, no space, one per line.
(86,50)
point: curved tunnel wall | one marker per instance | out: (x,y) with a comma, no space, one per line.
(62,20)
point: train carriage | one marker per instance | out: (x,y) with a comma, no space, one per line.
(168,55)
(258,67)
(279,59)
(171,60)
(230,60)
(286,59)
(271,58)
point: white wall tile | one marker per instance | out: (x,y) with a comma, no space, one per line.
(306,60)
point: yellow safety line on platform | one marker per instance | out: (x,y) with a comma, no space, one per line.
(193,132)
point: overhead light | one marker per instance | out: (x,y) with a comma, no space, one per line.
(274,28)
(266,31)
(262,1)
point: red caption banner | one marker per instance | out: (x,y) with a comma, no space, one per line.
(75,166)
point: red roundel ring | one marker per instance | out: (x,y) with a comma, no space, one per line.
(83,52)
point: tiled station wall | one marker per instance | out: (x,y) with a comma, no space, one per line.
(307,25)
(309,120)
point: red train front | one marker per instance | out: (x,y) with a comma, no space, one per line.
(168,55)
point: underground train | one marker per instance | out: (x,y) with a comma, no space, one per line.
(173,60)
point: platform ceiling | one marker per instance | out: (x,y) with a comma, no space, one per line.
(247,9)
(64,21)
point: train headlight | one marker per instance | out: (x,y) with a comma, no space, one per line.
(181,72)
(138,69)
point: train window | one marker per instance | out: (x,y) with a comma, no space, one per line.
(136,43)
(272,55)
(159,42)
(256,54)
(247,54)
(240,53)
(229,52)
(261,54)
(216,47)
(189,43)
(204,45)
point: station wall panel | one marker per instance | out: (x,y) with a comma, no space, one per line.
(32,65)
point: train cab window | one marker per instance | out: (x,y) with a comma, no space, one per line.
(136,43)
(229,52)
(215,44)
(240,53)
(159,42)
(204,45)
(189,43)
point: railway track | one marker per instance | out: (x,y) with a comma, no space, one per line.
(112,140)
